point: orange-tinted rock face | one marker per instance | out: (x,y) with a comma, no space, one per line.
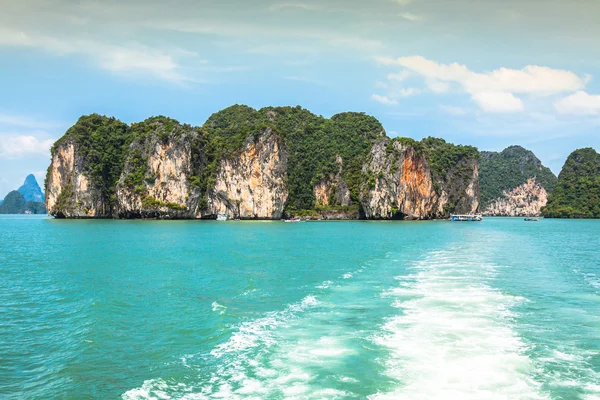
(399,184)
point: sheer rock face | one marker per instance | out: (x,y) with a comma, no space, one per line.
(333,191)
(525,200)
(400,185)
(251,184)
(165,191)
(69,193)
(459,189)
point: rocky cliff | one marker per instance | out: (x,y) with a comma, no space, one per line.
(251,183)
(68,190)
(256,164)
(155,182)
(400,183)
(524,200)
(86,164)
(514,183)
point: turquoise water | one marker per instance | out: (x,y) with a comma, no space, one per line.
(501,309)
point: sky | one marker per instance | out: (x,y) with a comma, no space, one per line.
(484,73)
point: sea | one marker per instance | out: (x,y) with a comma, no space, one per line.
(499,309)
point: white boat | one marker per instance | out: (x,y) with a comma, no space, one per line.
(294,219)
(222,217)
(466,217)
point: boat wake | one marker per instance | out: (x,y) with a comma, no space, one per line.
(284,354)
(454,336)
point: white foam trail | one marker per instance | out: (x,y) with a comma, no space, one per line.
(150,389)
(453,338)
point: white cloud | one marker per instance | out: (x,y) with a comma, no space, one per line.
(140,59)
(410,17)
(132,58)
(531,79)
(580,103)
(498,102)
(494,91)
(453,110)
(384,100)
(437,86)
(16,147)
(404,92)
(402,75)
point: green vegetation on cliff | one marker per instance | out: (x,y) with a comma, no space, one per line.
(577,191)
(446,157)
(508,169)
(314,150)
(102,144)
(312,142)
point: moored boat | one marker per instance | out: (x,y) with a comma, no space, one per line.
(466,218)
(293,219)
(222,217)
(532,219)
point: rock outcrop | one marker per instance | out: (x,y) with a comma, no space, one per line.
(333,190)
(251,183)
(69,193)
(155,182)
(526,200)
(86,164)
(251,164)
(514,182)
(400,184)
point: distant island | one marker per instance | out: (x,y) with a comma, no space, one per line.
(514,183)
(28,199)
(281,162)
(577,192)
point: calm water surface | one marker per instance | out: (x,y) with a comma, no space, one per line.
(197,310)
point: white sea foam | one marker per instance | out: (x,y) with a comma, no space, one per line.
(454,338)
(324,285)
(150,389)
(216,307)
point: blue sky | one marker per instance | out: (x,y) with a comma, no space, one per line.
(485,73)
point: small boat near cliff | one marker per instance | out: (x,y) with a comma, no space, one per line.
(222,217)
(294,219)
(466,218)
(532,219)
